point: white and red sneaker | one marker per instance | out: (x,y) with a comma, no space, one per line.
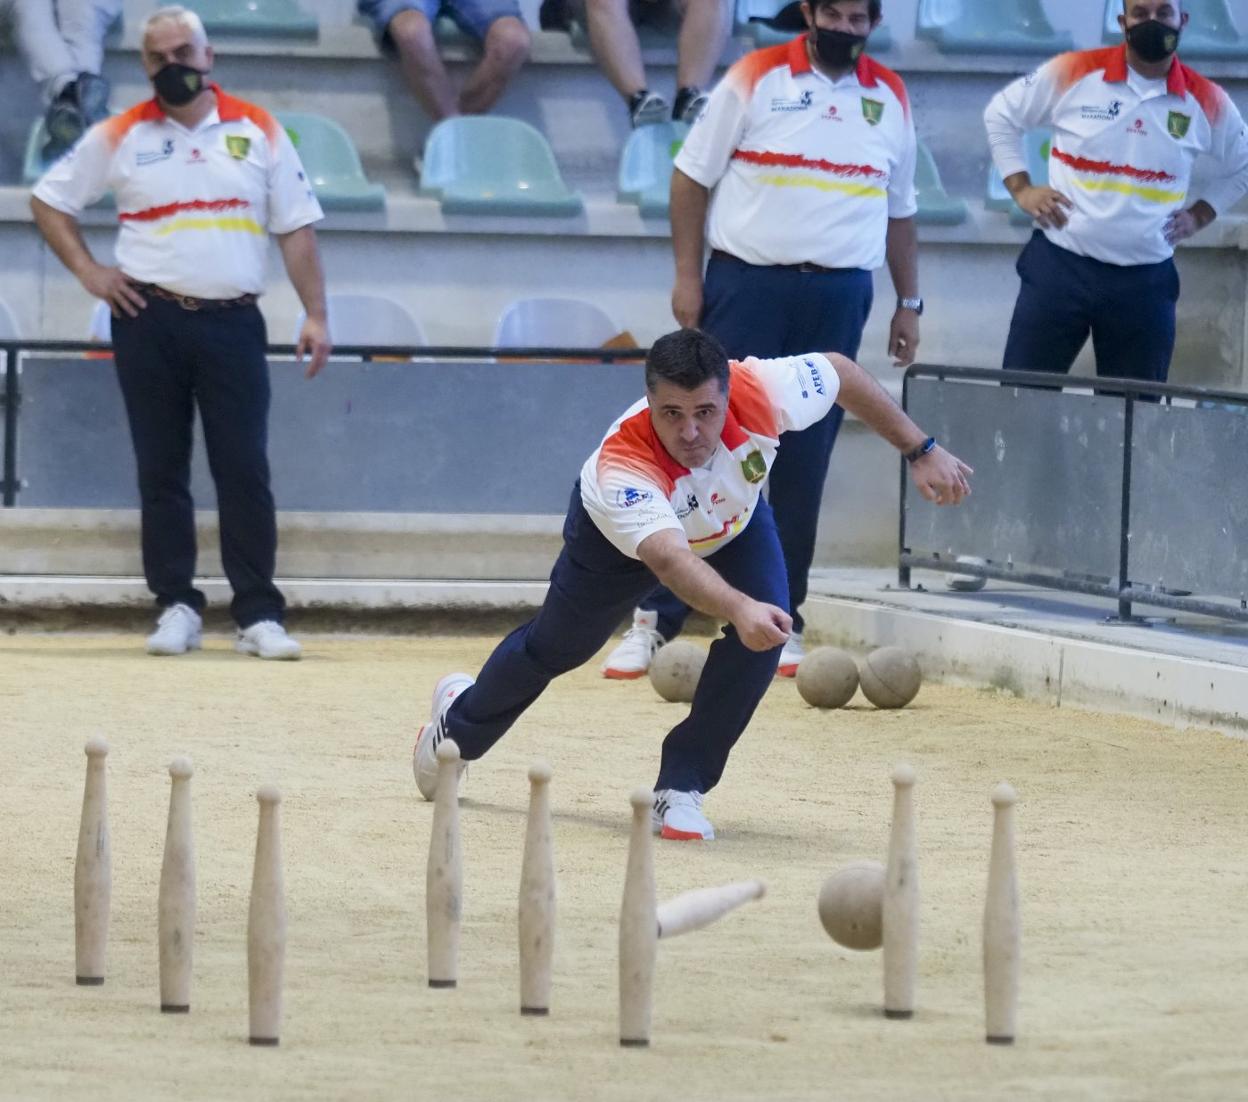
(791,657)
(677,816)
(425,752)
(632,657)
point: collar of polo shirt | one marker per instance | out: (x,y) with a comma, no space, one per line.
(1116,72)
(799,63)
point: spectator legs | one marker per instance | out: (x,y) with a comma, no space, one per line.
(426,76)
(704,31)
(616,47)
(506,48)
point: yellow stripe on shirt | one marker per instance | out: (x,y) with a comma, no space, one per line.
(229,224)
(1152,194)
(821,184)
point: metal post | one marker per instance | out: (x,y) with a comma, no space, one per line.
(903,571)
(11,400)
(1124,531)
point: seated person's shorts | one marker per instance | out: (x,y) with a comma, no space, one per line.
(473,17)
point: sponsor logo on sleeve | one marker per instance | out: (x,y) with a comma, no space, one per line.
(872,110)
(816,378)
(629,497)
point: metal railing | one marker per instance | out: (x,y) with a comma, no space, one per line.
(1125,589)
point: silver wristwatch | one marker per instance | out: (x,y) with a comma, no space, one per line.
(915,304)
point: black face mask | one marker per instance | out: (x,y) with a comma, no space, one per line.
(1153,41)
(837,49)
(178,84)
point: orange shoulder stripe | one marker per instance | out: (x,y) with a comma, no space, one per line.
(231,109)
(746,73)
(117,127)
(1073,67)
(1211,97)
(634,448)
(881,73)
(749,403)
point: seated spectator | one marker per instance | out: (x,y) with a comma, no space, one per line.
(63,43)
(405,28)
(612,25)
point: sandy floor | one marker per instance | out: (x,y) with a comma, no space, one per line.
(1133,871)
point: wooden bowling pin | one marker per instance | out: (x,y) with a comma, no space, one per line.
(695,909)
(444,874)
(93,871)
(901,902)
(176,901)
(1002,928)
(537,897)
(639,928)
(266,924)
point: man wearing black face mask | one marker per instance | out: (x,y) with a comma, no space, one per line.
(201,179)
(1128,123)
(800,178)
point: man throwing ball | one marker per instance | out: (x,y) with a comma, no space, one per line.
(673,495)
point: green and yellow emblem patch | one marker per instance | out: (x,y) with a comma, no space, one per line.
(237,146)
(872,110)
(754,467)
(1177,124)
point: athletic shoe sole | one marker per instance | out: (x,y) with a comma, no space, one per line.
(194,644)
(623,675)
(787,670)
(674,835)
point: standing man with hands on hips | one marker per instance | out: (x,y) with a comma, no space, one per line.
(201,179)
(1128,123)
(800,178)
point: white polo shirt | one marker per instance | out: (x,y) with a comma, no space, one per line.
(805,169)
(631,487)
(195,206)
(1123,148)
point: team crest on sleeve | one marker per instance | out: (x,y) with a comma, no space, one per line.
(237,146)
(872,110)
(754,467)
(1177,124)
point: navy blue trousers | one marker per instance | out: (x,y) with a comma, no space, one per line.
(1130,312)
(170,360)
(592,587)
(766,312)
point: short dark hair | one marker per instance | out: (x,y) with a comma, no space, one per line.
(687,358)
(1127,3)
(875,8)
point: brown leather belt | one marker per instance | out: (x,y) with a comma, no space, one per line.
(190,302)
(719,254)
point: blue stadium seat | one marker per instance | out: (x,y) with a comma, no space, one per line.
(749,25)
(936,206)
(8,326)
(256,18)
(991,27)
(646,166)
(487,164)
(554,323)
(1211,32)
(1036,146)
(368,319)
(331,162)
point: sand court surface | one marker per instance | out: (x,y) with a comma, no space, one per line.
(1132,854)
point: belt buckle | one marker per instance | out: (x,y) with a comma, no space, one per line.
(188,302)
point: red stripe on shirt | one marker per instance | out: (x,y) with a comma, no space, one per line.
(794,160)
(1106,168)
(154,214)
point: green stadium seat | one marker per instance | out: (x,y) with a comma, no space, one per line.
(646,166)
(256,18)
(1211,32)
(936,206)
(34,166)
(991,27)
(331,162)
(487,164)
(749,25)
(1036,145)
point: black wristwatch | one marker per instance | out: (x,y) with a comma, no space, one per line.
(915,304)
(921,450)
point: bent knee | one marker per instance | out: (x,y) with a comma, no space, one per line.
(508,42)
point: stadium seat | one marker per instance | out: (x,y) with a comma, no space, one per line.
(256,18)
(368,320)
(100,327)
(991,27)
(8,326)
(936,206)
(34,166)
(332,163)
(750,25)
(1211,32)
(1036,145)
(646,167)
(493,165)
(554,323)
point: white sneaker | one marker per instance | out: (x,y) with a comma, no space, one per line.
(632,657)
(792,655)
(267,639)
(179,629)
(425,752)
(678,817)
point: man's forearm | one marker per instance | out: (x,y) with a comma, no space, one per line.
(303,265)
(692,580)
(63,236)
(689,202)
(862,396)
(1020,181)
(902,251)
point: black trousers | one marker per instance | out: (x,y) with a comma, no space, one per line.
(169,361)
